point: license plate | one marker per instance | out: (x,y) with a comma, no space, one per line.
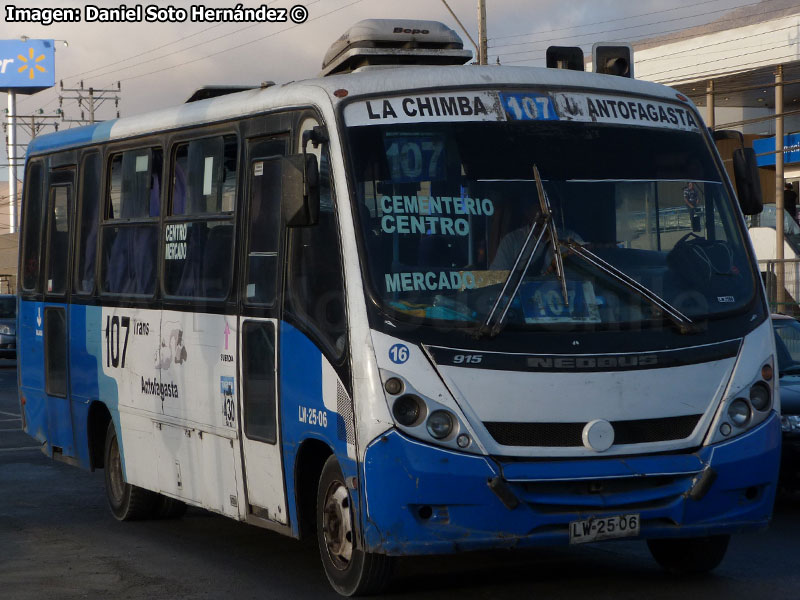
(603,528)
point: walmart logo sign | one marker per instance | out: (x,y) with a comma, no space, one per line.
(27,66)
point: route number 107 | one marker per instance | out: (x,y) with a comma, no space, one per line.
(113,357)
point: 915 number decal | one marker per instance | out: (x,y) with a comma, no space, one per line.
(113,324)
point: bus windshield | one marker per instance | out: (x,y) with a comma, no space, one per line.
(446,207)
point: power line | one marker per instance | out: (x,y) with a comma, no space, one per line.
(204,42)
(671,40)
(132,56)
(188,62)
(597,33)
(733,70)
(693,5)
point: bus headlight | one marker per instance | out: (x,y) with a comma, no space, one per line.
(760,397)
(739,412)
(408,410)
(440,424)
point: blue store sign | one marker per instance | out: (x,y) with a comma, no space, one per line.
(27,66)
(791,150)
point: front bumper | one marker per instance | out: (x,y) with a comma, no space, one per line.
(420,499)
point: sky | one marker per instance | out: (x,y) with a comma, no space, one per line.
(162,64)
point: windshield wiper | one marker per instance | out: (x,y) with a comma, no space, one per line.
(683,323)
(543,224)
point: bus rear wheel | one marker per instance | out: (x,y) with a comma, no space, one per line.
(351,571)
(127,502)
(690,556)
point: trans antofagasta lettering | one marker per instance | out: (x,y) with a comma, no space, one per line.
(425,214)
(427,106)
(631,110)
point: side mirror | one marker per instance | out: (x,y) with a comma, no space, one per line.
(720,135)
(300,190)
(748,182)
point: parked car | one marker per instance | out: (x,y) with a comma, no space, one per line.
(787,344)
(8,326)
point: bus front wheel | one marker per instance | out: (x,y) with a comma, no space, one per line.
(351,571)
(127,502)
(689,556)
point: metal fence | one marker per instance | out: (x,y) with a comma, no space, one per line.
(789,304)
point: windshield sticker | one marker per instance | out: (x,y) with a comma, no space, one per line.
(529,107)
(463,106)
(415,157)
(430,282)
(593,108)
(421,214)
(176,241)
(543,302)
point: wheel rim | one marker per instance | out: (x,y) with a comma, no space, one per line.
(116,481)
(337,525)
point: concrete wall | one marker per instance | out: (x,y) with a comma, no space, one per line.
(8,262)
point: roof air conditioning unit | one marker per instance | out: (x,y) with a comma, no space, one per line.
(384,42)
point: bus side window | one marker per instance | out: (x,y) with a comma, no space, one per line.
(264,234)
(33,215)
(130,231)
(198,247)
(88,223)
(316,284)
(259,380)
(58,239)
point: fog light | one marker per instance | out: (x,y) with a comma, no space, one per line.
(440,424)
(393,386)
(739,412)
(407,410)
(760,397)
(463,440)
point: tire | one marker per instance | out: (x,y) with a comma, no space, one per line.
(168,508)
(689,556)
(351,572)
(127,502)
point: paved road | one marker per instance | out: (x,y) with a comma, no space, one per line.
(59,541)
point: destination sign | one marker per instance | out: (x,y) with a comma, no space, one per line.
(487,106)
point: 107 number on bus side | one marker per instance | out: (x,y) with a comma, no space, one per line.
(116,347)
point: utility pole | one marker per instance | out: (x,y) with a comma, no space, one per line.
(483,54)
(464,29)
(12,154)
(93,98)
(32,125)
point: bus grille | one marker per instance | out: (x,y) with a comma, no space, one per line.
(567,435)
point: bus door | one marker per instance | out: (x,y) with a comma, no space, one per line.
(259,333)
(53,316)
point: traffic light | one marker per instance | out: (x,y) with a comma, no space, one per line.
(613,59)
(565,57)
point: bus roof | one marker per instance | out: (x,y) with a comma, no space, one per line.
(372,80)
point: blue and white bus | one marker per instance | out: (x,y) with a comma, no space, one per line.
(410,307)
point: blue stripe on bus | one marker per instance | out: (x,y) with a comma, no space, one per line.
(71,138)
(301,388)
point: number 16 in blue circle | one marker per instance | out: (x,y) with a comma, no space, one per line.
(399,354)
